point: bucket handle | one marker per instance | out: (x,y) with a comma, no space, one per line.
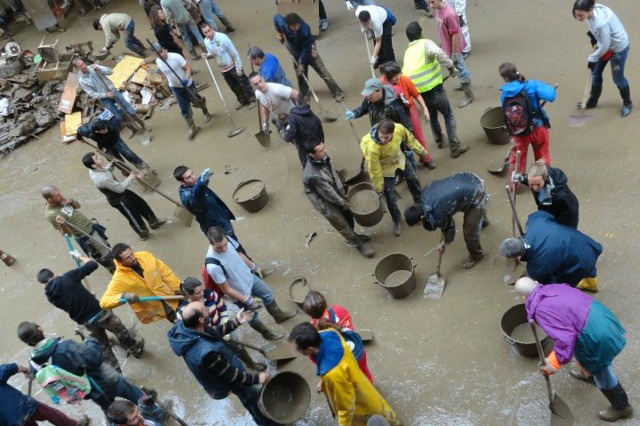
(487,109)
(510,340)
(375,281)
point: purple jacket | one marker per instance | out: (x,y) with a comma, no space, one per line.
(562,312)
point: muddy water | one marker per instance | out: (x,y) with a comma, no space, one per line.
(522,333)
(364,202)
(457,370)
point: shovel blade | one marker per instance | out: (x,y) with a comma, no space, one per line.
(435,287)
(579,120)
(498,169)
(152,180)
(561,414)
(278,351)
(183,216)
(235,132)
(264,139)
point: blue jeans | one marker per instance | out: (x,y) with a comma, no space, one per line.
(112,105)
(184,33)
(463,73)
(606,379)
(248,396)
(209,9)
(618,61)
(263,291)
(121,149)
(132,42)
(184,99)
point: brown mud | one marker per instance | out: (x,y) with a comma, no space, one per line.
(438,362)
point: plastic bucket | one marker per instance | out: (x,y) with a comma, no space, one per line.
(366,215)
(390,264)
(515,316)
(492,122)
(285,398)
(251,195)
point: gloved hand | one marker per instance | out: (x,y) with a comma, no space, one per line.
(265,127)
(516,177)
(551,366)
(349,115)
(249,304)
(349,5)
(185,82)
(280,37)
(75,254)
(300,69)
(453,72)
(131,297)
(592,39)
(591,65)
(441,246)
(149,397)
(373,60)
(206,173)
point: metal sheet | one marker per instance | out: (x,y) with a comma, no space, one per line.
(40,13)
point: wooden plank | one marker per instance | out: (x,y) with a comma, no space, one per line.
(72,122)
(309,11)
(68,97)
(124,70)
(139,76)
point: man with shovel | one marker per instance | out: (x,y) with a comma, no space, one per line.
(133,207)
(276,100)
(379,21)
(213,362)
(177,72)
(141,274)
(583,329)
(442,199)
(328,195)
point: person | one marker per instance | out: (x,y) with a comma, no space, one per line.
(215,308)
(535,131)
(581,328)
(328,195)
(176,13)
(63,214)
(239,278)
(555,253)
(380,21)
(213,362)
(92,79)
(388,150)
(111,24)
(293,30)
(106,133)
(392,75)
(303,128)
(202,202)
(220,47)
(453,44)
(349,393)
(441,199)
(270,68)
(18,409)
(85,359)
(551,192)
(177,71)
(610,43)
(209,9)
(336,317)
(137,275)
(125,413)
(133,207)
(66,292)
(460,7)
(163,31)
(276,100)
(380,101)
(422,64)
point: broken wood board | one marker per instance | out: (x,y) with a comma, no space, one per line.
(68,97)
(124,70)
(72,122)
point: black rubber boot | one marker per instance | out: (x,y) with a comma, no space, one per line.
(619,408)
(227,24)
(248,361)
(592,102)
(266,332)
(277,314)
(627,105)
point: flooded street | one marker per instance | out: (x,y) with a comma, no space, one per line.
(437,362)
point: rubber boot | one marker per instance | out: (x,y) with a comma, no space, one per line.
(6,258)
(468,95)
(205,111)
(266,332)
(364,249)
(193,129)
(227,24)
(277,314)
(156,223)
(397,229)
(619,408)
(627,105)
(248,361)
(592,102)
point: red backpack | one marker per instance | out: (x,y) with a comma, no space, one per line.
(207,281)
(519,114)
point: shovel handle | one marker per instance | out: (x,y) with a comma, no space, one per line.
(543,360)
(513,211)
(255,348)
(154,298)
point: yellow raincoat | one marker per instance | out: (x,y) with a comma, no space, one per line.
(349,392)
(383,160)
(158,280)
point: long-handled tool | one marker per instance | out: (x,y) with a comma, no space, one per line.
(277,351)
(561,414)
(193,95)
(92,238)
(582,118)
(264,138)
(366,43)
(514,214)
(436,282)
(324,114)
(516,272)
(166,408)
(236,130)
(512,198)
(78,264)
(154,298)
(357,139)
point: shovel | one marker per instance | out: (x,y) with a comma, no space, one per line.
(326,116)
(435,282)
(357,139)
(235,131)
(78,264)
(504,164)
(582,118)
(278,351)
(264,138)
(561,414)
(154,298)
(516,219)
(366,43)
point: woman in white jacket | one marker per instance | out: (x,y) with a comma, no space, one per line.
(611,44)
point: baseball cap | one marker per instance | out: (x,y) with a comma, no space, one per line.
(371,86)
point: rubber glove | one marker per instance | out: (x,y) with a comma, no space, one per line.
(516,177)
(206,174)
(349,5)
(265,127)
(185,82)
(373,60)
(131,297)
(349,115)
(552,365)
(75,254)
(592,39)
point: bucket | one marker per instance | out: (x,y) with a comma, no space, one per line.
(298,290)
(366,211)
(400,285)
(285,398)
(515,316)
(492,122)
(251,195)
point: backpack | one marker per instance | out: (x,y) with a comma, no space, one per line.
(62,385)
(519,114)
(349,336)
(207,281)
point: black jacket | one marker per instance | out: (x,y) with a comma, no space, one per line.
(104,141)
(390,106)
(303,126)
(557,198)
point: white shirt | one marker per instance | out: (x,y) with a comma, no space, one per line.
(378,16)
(224,52)
(276,99)
(235,272)
(176,62)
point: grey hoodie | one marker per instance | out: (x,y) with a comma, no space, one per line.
(608,30)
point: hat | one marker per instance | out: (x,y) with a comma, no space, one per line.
(371,86)
(157,47)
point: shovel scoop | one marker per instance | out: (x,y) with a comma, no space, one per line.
(435,282)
